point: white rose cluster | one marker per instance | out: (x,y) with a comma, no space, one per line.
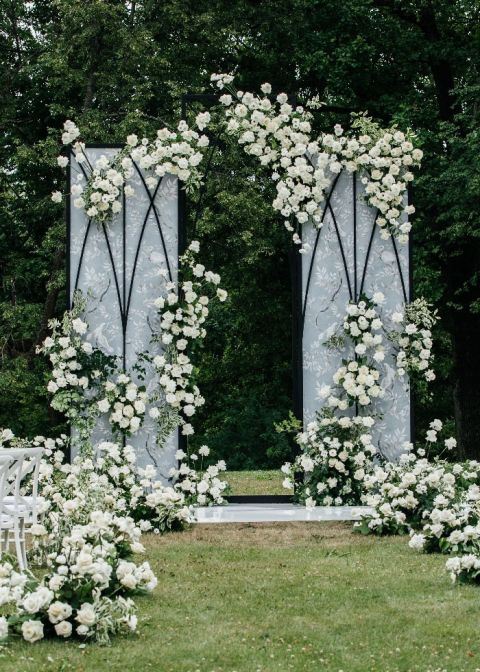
(126,402)
(336,455)
(413,339)
(363,324)
(78,368)
(200,485)
(385,159)
(280,136)
(404,494)
(65,352)
(182,314)
(177,152)
(359,382)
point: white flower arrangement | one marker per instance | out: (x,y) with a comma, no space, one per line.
(78,368)
(176,152)
(182,314)
(126,402)
(87,540)
(403,494)
(336,455)
(358,382)
(413,339)
(201,485)
(280,136)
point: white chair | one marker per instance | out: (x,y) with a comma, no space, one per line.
(18,510)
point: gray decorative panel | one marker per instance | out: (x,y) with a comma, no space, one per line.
(120,266)
(346,258)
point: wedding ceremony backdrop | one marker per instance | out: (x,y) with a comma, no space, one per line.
(252,288)
(116,266)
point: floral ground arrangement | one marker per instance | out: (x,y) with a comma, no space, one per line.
(94,510)
(336,601)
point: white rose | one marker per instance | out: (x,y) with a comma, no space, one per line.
(86,614)
(59,611)
(129,581)
(3,627)
(103,405)
(32,631)
(79,326)
(63,629)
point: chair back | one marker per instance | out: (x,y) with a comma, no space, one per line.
(21,463)
(5,462)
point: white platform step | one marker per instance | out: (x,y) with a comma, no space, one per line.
(271,513)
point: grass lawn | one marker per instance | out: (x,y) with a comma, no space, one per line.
(267,482)
(279,597)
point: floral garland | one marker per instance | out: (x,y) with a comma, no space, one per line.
(178,152)
(182,315)
(413,340)
(280,136)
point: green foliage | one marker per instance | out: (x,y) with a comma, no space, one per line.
(116,67)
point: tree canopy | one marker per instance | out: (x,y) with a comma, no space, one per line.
(117,67)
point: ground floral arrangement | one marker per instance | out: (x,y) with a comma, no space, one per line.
(93,513)
(435,502)
(337,450)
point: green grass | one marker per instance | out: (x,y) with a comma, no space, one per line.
(307,597)
(267,482)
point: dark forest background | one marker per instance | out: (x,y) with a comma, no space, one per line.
(116,67)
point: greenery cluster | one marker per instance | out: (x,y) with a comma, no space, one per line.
(118,66)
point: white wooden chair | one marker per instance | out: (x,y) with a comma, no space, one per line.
(18,510)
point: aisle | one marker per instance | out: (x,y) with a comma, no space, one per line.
(270,513)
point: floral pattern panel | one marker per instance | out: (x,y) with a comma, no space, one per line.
(122,267)
(344,259)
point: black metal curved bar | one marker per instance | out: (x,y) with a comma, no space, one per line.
(369,249)
(314,252)
(157,218)
(397,257)
(85,238)
(122,313)
(342,251)
(140,239)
